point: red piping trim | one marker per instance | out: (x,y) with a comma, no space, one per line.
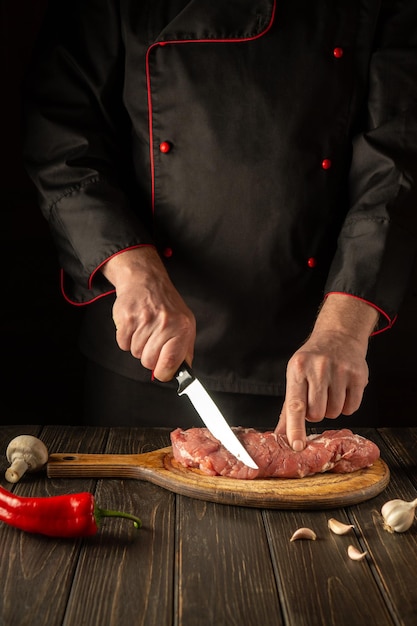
(73,302)
(148,82)
(141,245)
(390,322)
(90,280)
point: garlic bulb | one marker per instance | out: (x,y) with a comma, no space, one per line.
(398,515)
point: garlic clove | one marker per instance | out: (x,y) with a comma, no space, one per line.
(338,527)
(398,515)
(355,554)
(304,533)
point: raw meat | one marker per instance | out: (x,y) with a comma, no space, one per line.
(339,451)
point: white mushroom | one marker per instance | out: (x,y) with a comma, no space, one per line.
(25,453)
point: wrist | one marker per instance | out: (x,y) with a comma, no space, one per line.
(347,315)
(132,264)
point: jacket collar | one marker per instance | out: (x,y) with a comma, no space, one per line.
(217,20)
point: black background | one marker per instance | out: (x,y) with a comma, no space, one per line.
(41,374)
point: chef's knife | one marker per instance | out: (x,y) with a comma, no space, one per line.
(210,414)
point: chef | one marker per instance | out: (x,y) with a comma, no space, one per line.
(232,184)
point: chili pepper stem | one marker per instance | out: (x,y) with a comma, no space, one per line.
(99,514)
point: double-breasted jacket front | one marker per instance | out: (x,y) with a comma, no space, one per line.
(267,148)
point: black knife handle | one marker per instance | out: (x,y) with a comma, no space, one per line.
(184,377)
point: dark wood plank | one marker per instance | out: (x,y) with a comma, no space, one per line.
(195,562)
(224,574)
(392,555)
(36,576)
(124,575)
(403,443)
(319,583)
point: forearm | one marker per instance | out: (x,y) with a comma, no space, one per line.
(347,315)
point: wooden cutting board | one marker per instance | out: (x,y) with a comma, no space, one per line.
(321,491)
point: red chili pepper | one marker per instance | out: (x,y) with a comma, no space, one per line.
(73,515)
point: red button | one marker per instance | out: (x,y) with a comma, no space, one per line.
(164,147)
(311,262)
(168,252)
(338,53)
(326,164)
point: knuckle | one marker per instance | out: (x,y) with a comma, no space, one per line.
(124,345)
(145,318)
(296,405)
(353,401)
(168,363)
(137,353)
(296,364)
(187,324)
(314,415)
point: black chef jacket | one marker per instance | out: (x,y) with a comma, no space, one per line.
(267,149)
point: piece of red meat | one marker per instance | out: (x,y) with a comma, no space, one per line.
(339,451)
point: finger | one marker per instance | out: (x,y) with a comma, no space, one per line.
(295,414)
(281,427)
(317,403)
(168,360)
(343,400)
(124,338)
(353,399)
(145,342)
(124,328)
(335,403)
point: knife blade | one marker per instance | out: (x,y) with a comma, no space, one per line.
(210,414)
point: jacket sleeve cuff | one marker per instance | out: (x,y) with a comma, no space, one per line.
(98,286)
(384,320)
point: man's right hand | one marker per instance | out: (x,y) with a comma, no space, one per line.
(152,320)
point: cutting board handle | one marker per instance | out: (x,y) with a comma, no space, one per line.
(74,465)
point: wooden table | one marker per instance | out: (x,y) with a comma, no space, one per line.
(200,563)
